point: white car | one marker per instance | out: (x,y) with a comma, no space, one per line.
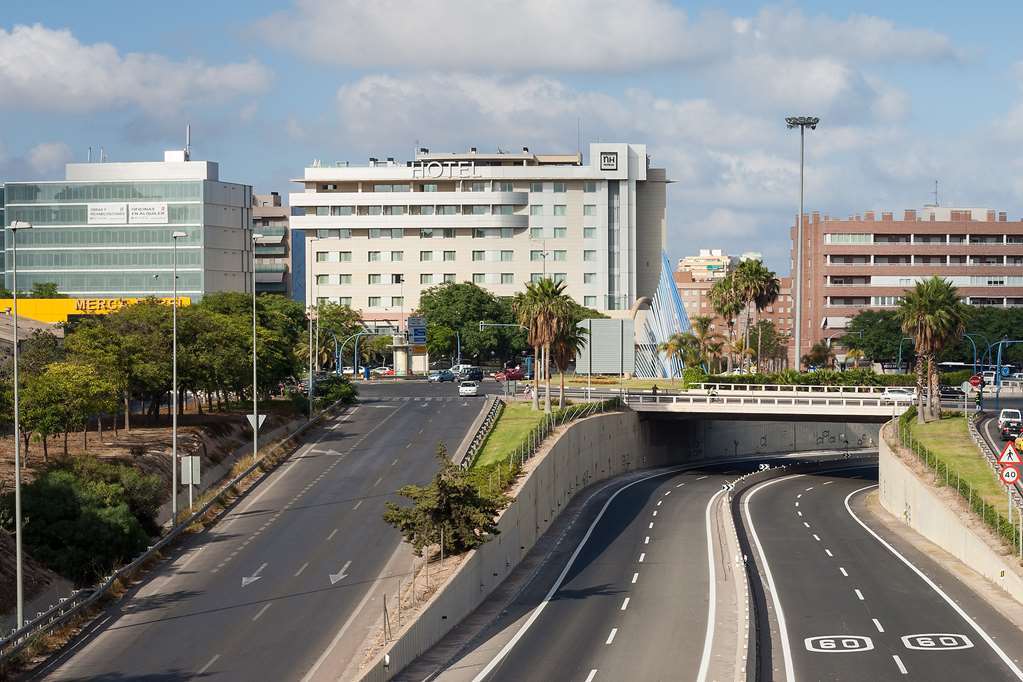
(1008,415)
(898,396)
(469,389)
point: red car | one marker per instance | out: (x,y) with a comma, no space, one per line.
(510,374)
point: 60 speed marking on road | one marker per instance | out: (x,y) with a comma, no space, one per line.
(937,641)
(838,644)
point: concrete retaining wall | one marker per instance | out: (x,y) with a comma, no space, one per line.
(589,451)
(920,505)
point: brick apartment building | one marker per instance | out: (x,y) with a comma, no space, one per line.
(867,262)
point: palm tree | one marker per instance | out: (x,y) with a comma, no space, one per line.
(724,296)
(854,354)
(705,336)
(819,355)
(683,347)
(756,287)
(934,317)
(542,309)
(570,340)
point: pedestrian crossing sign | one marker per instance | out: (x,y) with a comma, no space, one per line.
(1009,455)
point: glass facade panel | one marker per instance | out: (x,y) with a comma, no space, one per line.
(177,214)
(100,236)
(85,259)
(59,192)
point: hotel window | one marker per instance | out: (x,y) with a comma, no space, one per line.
(322,279)
(589,278)
(342,210)
(322,257)
(559,209)
(476,187)
(377,233)
(390,188)
(426,233)
(449,278)
(590,301)
(375,278)
(344,233)
(589,187)
(559,188)
(536,187)
(430,187)
(373,256)
(589,256)
(448,233)
(344,256)
(479,278)
(476,210)
(425,256)
(421,210)
(560,276)
(323,210)
(373,301)
(345,301)
(426,278)
(848,238)
(536,233)
(560,255)
(449,255)
(344,279)
(536,255)
(326,234)
(589,209)
(394,210)
(328,188)
(589,233)
(507,278)
(397,301)
(536,209)
(504,209)
(507,256)
(370,210)
(560,232)
(397,279)
(447,210)
(478,255)
(535,277)
(502,186)
(397,256)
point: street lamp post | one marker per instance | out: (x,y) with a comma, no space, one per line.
(801,122)
(174,382)
(255,381)
(312,314)
(19,580)
(543,245)
(901,341)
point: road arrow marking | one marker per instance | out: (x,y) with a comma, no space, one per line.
(254,577)
(340,575)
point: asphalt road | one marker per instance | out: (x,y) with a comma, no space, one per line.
(287,575)
(846,607)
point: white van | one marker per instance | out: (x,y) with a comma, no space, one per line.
(1008,415)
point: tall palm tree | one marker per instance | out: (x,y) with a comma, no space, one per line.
(541,309)
(571,339)
(934,317)
(705,336)
(724,296)
(683,347)
(756,287)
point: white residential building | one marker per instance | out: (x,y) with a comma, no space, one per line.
(379,235)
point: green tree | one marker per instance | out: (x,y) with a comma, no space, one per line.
(37,351)
(542,308)
(45,290)
(449,507)
(875,332)
(756,288)
(727,300)
(706,338)
(933,316)
(459,308)
(819,355)
(571,339)
(771,345)
(65,397)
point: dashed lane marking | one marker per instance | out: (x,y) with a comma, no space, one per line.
(806,524)
(635,577)
(843,571)
(262,611)
(208,665)
(660,502)
(625,603)
(877,624)
(828,552)
(651,525)
(332,534)
(859,595)
(593,673)
(702,477)
(655,512)
(646,540)
(357,505)
(828,483)
(611,637)
(299,571)
(816,537)
(900,664)
(642,556)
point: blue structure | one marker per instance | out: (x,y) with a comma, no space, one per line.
(666,317)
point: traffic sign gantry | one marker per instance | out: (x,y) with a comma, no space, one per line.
(1010,456)
(1010,475)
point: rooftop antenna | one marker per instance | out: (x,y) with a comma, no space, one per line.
(90,154)
(188,141)
(578,136)
(936,204)
(102,156)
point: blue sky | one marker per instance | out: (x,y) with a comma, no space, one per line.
(908,92)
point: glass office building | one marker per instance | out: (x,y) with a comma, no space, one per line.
(106,230)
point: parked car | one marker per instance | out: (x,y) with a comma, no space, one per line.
(897,395)
(1008,415)
(510,374)
(950,392)
(383,371)
(458,369)
(469,389)
(439,376)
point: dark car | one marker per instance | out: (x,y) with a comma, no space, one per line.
(440,376)
(510,374)
(950,392)
(1011,430)
(471,374)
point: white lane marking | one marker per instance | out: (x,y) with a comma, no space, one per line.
(806,524)
(877,624)
(667,493)
(799,513)
(192,556)
(809,489)
(980,631)
(828,552)
(816,537)
(299,571)
(828,483)
(510,644)
(611,637)
(655,512)
(635,577)
(708,637)
(254,577)
(357,505)
(340,575)
(395,462)
(208,665)
(898,662)
(593,673)
(379,481)
(406,447)
(790,674)
(797,504)
(799,495)
(680,485)
(646,540)
(642,556)
(332,534)
(660,502)
(262,611)
(625,604)
(859,595)
(651,525)
(843,571)
(702,477)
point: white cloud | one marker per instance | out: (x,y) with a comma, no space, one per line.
(575,35)
(48,157)
(50,70)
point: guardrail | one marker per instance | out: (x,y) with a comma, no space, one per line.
(58,614)
(480,437)
(790,388)
(745,400)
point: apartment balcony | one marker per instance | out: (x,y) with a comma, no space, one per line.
(408,198)
(315,222)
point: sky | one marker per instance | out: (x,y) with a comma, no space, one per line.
(907,93)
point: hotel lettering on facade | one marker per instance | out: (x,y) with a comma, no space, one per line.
(379,235)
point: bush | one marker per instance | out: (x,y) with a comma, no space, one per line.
(326,392)
(820,377)
(693,375)
(84,517)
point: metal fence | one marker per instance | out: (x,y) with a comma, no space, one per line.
(790,388)
(480,437)
(75,603)
(532,441)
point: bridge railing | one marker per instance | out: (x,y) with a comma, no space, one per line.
(789,388)
(765,400)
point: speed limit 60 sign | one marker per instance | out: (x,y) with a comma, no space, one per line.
(1010,475)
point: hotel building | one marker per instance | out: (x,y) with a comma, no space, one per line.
(377,236)
(867,262)
(105,231)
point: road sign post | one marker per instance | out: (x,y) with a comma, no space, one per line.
(1010,456)
(252,420)
(1009,476)
(190,474)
